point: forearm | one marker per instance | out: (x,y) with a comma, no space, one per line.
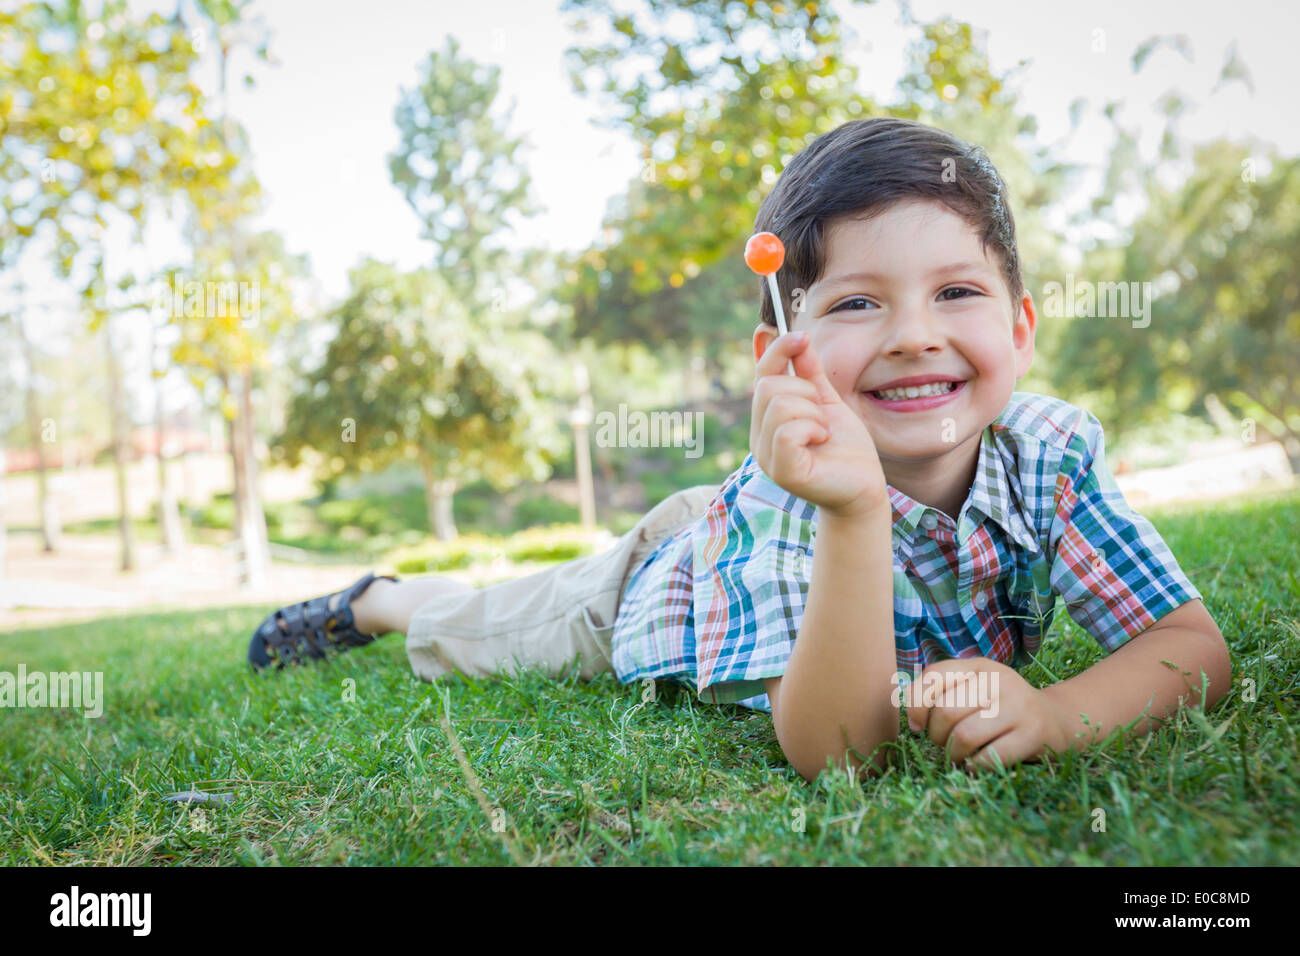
(1135,683)
(836,690)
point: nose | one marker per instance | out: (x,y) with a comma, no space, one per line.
(913,330)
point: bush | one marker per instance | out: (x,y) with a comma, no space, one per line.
(542,510)
(454,555)
(337,515)
(278,514)
(557,542)
(474,507)
(324,544)
(217,513)
(555,551)
(374,515)
(455,559)
(220,513)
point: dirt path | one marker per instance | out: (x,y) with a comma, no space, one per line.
(82,580)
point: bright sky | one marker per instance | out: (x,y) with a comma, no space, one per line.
(321,123)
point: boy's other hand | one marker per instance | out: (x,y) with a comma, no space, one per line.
(806,439)
(1002,714)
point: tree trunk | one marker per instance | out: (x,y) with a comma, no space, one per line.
(1291,446)
(698,382)
(50,524)
(438,493)
(169,512)
(1280,432)
(582,466)
(604,490)
(236,455)
(118,416)
(169,518)
(4,516)
(713,369)
(252,528)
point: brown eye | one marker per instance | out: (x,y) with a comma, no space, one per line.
(847,302)
(969,292)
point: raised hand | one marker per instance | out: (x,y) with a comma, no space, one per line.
(806,439)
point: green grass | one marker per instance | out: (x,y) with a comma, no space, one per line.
(587,773)
(541,545)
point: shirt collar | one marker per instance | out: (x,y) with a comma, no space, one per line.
(992,496)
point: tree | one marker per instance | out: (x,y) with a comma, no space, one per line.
(235,351)
(723,97)
(99,120)
(1216,241)
(1219,252)
(457,167)
(411,376)
(50,525)
(228,320)
(719,96)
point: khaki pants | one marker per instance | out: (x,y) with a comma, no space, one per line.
(548,619)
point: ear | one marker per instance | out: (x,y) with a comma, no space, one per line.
(1022,335)
(764,336)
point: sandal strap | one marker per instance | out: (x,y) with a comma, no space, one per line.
(311,629)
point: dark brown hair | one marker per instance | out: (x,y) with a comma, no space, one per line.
(861,168)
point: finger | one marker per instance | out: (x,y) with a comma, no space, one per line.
(974,731)
(781,351)
(958,698)
(930,693)
(1015,746)
(908,694)
(782,407)
(929,684)
(808,366)
(770,386)
(767,389)
(918,711)
(783,410)
(790,443)
(919,702)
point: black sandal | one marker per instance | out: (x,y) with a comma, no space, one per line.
(311,629)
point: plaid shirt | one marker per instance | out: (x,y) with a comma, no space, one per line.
(718,605)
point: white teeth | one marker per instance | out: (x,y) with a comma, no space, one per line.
(915,391)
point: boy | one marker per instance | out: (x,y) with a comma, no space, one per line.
(947,510)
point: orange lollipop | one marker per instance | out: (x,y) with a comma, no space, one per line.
(764,253)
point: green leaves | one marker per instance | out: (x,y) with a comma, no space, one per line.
(1218,247)
(105,119)
(457,167)
(729,93)
(422,378)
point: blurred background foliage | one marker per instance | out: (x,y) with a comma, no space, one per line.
(433,405)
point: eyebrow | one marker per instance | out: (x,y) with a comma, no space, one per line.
(869,276)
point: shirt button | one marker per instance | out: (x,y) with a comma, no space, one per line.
(930,521)
(981,600)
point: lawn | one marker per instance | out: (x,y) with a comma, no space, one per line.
(357,762)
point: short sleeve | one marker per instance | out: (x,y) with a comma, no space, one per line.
(1110,566)
(751,582)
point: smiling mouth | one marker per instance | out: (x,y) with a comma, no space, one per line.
(915,391)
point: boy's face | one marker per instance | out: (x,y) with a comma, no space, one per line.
(888,307)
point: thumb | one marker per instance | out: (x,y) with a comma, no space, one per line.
(808,365)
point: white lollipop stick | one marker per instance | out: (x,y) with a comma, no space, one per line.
(775,291)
